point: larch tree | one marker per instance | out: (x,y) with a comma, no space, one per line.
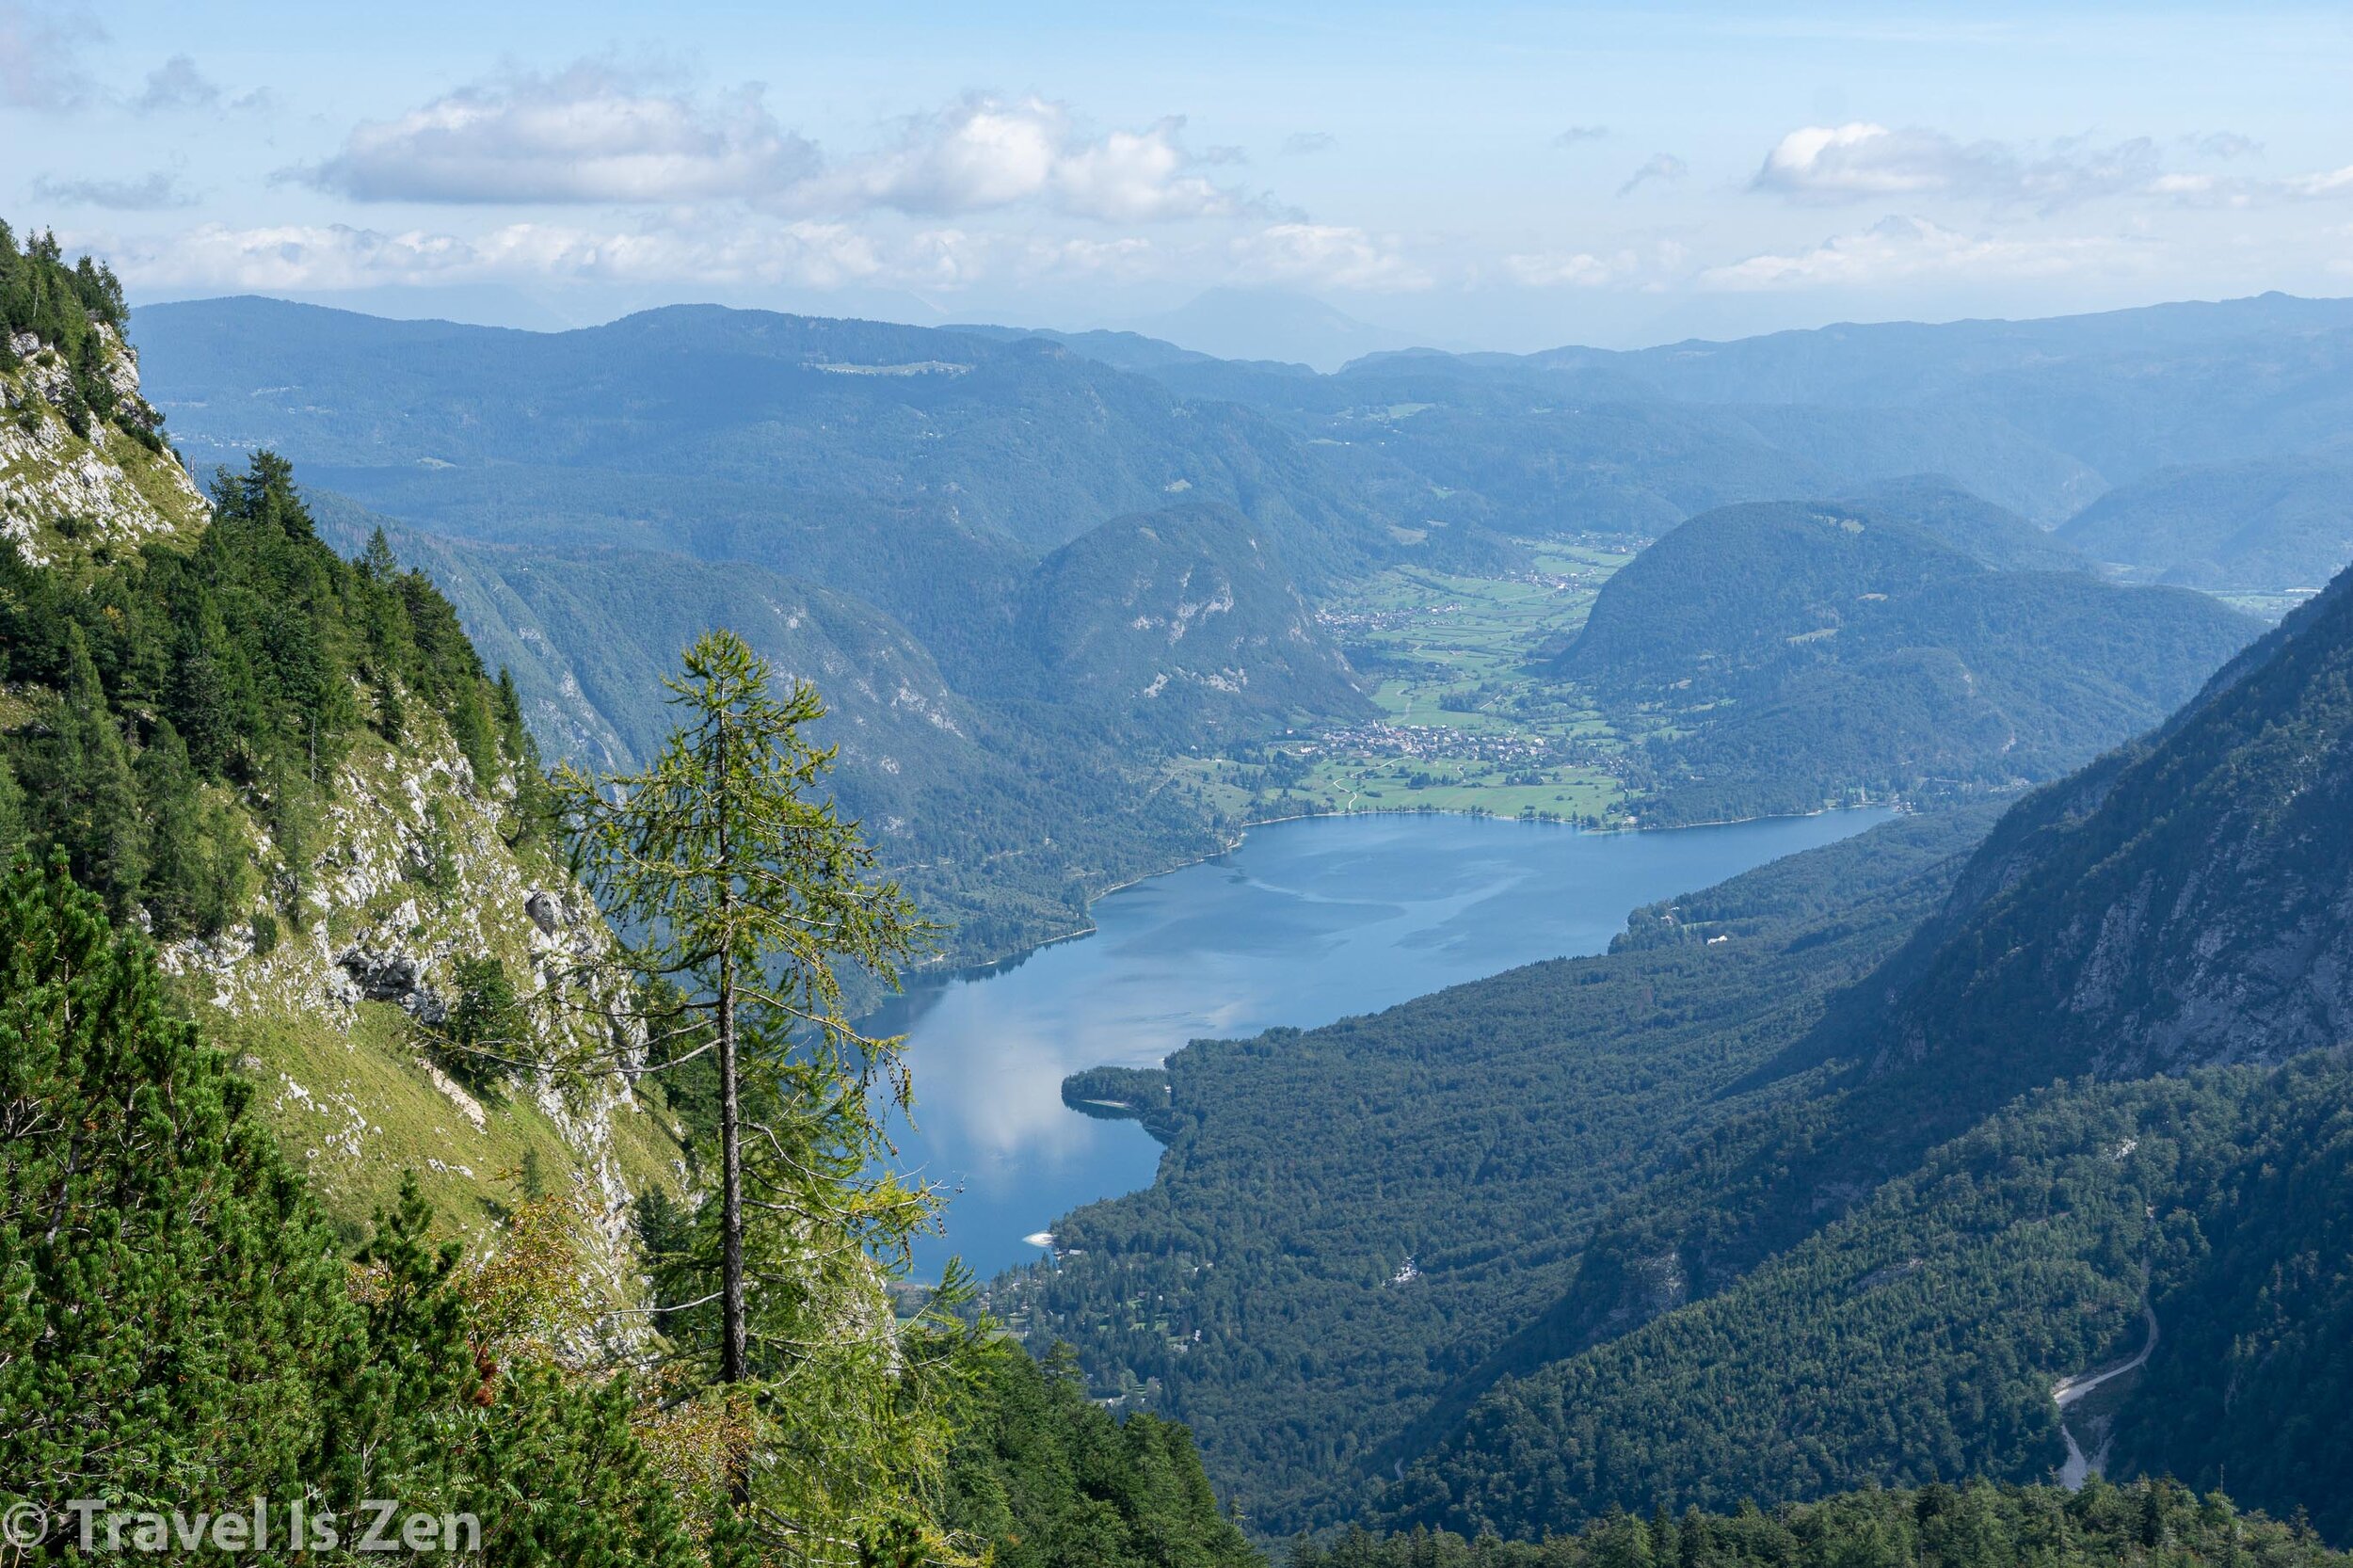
(742,895)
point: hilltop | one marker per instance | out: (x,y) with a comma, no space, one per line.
(1795,653)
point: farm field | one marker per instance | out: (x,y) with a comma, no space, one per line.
(1465,722)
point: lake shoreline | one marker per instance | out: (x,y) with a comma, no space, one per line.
(1243,832)
(1318,916)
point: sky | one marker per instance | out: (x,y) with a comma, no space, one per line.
(1472,176)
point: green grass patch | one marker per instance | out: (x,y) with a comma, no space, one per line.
(356,1110)
(1469,719)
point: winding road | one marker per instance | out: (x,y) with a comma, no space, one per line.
(2068,1390)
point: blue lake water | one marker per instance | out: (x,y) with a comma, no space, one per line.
(1306,923)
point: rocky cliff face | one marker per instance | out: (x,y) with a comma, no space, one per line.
(409,872)
(341,1014)
(65,492)
(2188,901)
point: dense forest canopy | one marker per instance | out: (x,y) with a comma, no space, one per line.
(180,683)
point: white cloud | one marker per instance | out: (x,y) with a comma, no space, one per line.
(156,191)
(2201,188)
(1658,166)
(1863,162)
(39,68)
(1858,161)
(1128,258)
(983,152)
(598,134)
(1576,133)
(2336,182)
(1323,255)
(1904,250)
(1301,142)
(710,247)
(593,133)
(176,83)
(315,258)
(2228,144)
(1580,269)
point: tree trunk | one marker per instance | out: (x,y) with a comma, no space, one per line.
(732,1354)
(734,1346)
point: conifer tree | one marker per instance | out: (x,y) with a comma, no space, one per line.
(82,784)
(179,1323)
(749,891)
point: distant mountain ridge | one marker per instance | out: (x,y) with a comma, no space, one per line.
(2280,522)
(1023,440)
(2038,415)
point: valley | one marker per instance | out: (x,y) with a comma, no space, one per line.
(778,939)
(1463,723)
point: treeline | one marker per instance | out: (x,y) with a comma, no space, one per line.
(2148,1524)
(65,308)
(181,692)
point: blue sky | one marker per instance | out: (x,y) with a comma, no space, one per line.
(1479,176)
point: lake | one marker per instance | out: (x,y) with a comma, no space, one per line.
(1305,922)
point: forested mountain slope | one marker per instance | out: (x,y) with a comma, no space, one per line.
(2262,522)
(2187,901)
(1994,536)
(294,773)
(1001,820)
(1803,652)
(2182,903)
(1976,1525)
(1351,1220)
(1181,623)
(1922,1336)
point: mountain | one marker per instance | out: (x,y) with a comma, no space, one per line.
(1119,350)
(2039,416)
(2124,392)
(2186,901)
(2262,523)
(808,445)
(293,773)
(1269,324)
(1799,653)
(1922,1335)
(1993,535)
(1180,619)
(945,786)
(2178,907)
